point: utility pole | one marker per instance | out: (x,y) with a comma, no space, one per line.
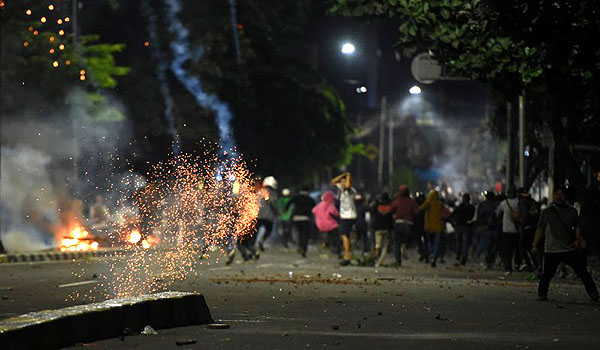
(522,173)
(511,148)
(381,140)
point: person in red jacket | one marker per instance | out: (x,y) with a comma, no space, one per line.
(405,209)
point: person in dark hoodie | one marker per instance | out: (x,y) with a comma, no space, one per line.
(405,209)
(302,205)
(383,223)
(462,218)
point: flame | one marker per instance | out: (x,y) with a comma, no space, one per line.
(145,244)
(78,241)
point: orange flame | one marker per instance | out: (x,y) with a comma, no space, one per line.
(79,240)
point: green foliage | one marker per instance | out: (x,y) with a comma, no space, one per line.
(100,61)
(488,40)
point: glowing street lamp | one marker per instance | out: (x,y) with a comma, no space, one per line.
(415,90)
(348,49)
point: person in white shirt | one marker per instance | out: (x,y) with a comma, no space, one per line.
(509,209)
(348,212)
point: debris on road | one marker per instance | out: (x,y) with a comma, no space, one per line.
(189,341)
(218,326)
(148,330)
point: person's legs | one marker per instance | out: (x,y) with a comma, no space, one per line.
(397,242)
(551,261)
(437,245)
(574,260)
(467,239)
(346,228)
(286,228)
(459,234)
(507,243)
(303,228)
(384,240)
(334,241)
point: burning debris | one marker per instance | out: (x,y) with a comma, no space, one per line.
(79,240)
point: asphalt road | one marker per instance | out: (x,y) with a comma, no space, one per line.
(284,301)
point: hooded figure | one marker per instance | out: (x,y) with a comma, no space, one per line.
(433,213)
(325,213)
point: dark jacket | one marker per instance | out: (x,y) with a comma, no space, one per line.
(462,214)
(383,215)
(486,213)
(302,203)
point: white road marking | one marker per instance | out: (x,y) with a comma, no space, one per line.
(75,284)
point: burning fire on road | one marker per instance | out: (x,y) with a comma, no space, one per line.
(79,240)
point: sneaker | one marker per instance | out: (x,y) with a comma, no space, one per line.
(542,298)
(522,267)
(344,262)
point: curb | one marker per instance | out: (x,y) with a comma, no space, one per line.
(51,329)
(56,255)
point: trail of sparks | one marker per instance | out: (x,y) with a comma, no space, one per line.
(189,207)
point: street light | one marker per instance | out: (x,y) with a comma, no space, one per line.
(348,49)
(415,90)
(361,90)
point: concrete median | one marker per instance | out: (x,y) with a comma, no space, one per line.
(51,329)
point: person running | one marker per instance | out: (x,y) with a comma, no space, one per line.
(348,212)
(462,219)
(326,215)
(268,210)
(434,225)
(509,241)
(383,223)
(285,215)
(301,206)
(559,225)
(405,209)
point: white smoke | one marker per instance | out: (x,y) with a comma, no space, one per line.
(70,154)
(180,48)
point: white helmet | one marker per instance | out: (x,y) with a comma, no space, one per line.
(270,181)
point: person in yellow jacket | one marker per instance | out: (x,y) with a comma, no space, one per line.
(434,225)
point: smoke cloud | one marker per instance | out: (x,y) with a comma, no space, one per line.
(53,164)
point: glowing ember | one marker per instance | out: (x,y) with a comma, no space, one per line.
(134,237)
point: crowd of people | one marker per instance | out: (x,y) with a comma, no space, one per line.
(509,231)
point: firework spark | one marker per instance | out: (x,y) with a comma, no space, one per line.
(189,206)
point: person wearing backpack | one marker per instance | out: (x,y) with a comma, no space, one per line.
(559,225)
(509,241)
